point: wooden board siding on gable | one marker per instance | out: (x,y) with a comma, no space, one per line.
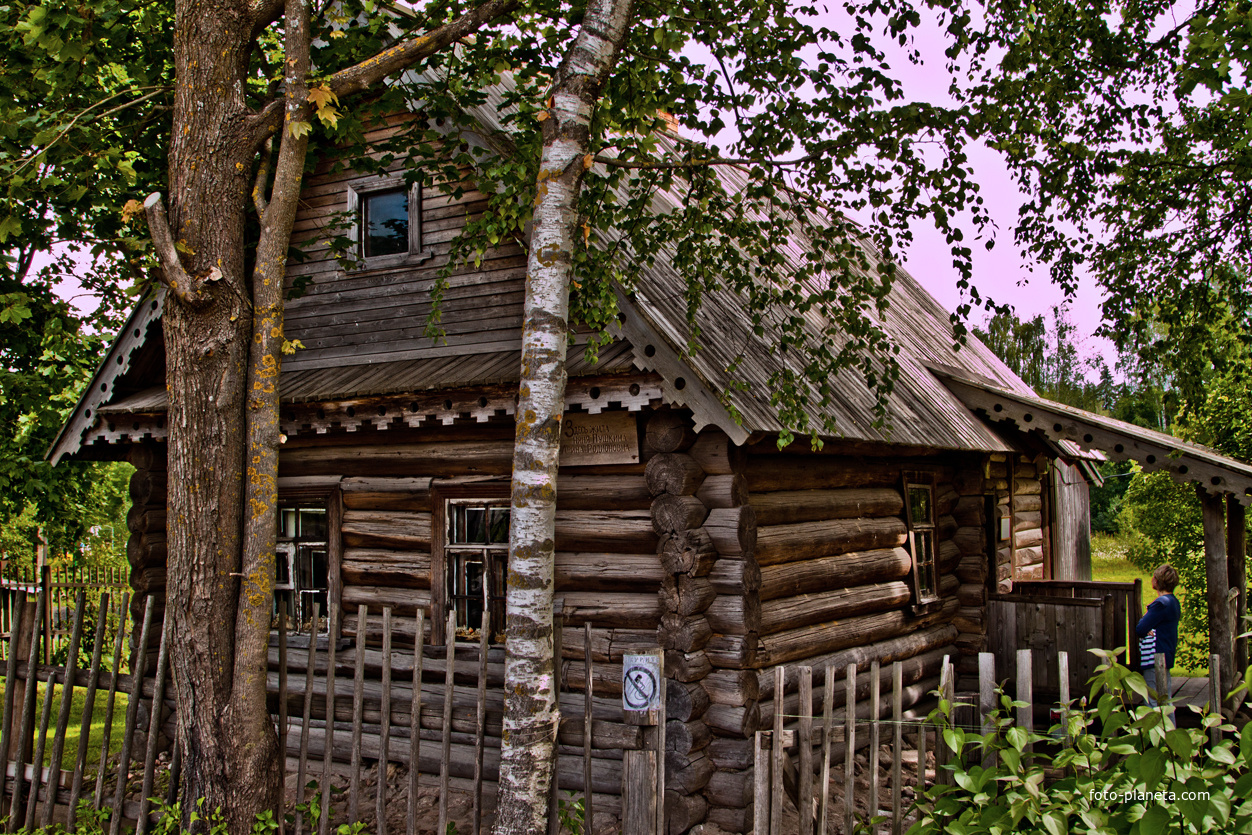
(374,316)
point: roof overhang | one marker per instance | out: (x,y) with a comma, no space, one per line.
(1121,441)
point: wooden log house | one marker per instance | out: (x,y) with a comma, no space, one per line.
(677,525)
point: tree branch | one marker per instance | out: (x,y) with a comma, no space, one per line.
(403,55)
(360,77)
(190,291)
(65,130)
(262,180)
(263,13)
(704,163)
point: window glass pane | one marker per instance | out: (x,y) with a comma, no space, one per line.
(386,223)
(925,562)
(287,524)
(282,568)
(476,525)
(920,510)
(498,527)
(312,524)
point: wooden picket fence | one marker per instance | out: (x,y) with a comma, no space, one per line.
(334,728)
(794,759)
(60,584)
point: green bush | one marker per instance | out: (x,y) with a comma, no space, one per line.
(1128,770)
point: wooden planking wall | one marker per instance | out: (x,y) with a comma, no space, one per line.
(379,314)
(1071,525)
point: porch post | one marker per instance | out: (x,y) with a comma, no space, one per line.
(1218,578)
(1236,561)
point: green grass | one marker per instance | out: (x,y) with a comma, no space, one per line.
(75,725)
(1109,564)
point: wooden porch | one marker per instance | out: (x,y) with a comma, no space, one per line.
(1192,692)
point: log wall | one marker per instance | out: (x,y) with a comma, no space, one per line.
(145,548)
(608,566)
(814,570)
(1020,497)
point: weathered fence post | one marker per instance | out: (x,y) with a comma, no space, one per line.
(588,807)
(1062,666)
(828,715)
(804,790)
(10,691)
(897,746)
(93,682)
(941,747)
(328,738)
(111,701)
(446,751)
(1215,694)
(779,754)
(1025,693)
(154,726)
(987,698)
(875,702)
(762,756)
(481,708)
(310,665)
(415,723)
(132,716)
(643,698)
(849,756)
(358,714)
(554,795)
(384,733)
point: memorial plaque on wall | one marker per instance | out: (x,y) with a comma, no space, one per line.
(606,438)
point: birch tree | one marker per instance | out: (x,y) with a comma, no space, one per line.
(531,714)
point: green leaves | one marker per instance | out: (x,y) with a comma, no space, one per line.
(1124,773)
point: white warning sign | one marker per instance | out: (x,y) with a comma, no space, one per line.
(641,682)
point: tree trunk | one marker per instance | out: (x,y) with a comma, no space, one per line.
(257,763)
(223,386)
(530,712)
(206,335)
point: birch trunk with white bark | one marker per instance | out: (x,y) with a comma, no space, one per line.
(530,713)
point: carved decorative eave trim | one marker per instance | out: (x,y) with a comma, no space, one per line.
(585,394)
(1186,462)
(683,386)
(84,422)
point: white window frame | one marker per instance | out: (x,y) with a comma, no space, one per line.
(492,556)
(927,542)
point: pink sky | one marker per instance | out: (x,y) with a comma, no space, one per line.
(1003,273)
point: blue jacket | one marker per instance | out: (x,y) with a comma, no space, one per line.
(1162,615)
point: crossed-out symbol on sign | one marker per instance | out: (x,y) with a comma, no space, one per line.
(640,688)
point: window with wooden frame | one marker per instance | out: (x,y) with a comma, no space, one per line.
(474,552)
(302,567)
(919,509)
(386,226)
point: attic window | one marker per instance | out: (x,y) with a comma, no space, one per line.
(386,222)
(919,508)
